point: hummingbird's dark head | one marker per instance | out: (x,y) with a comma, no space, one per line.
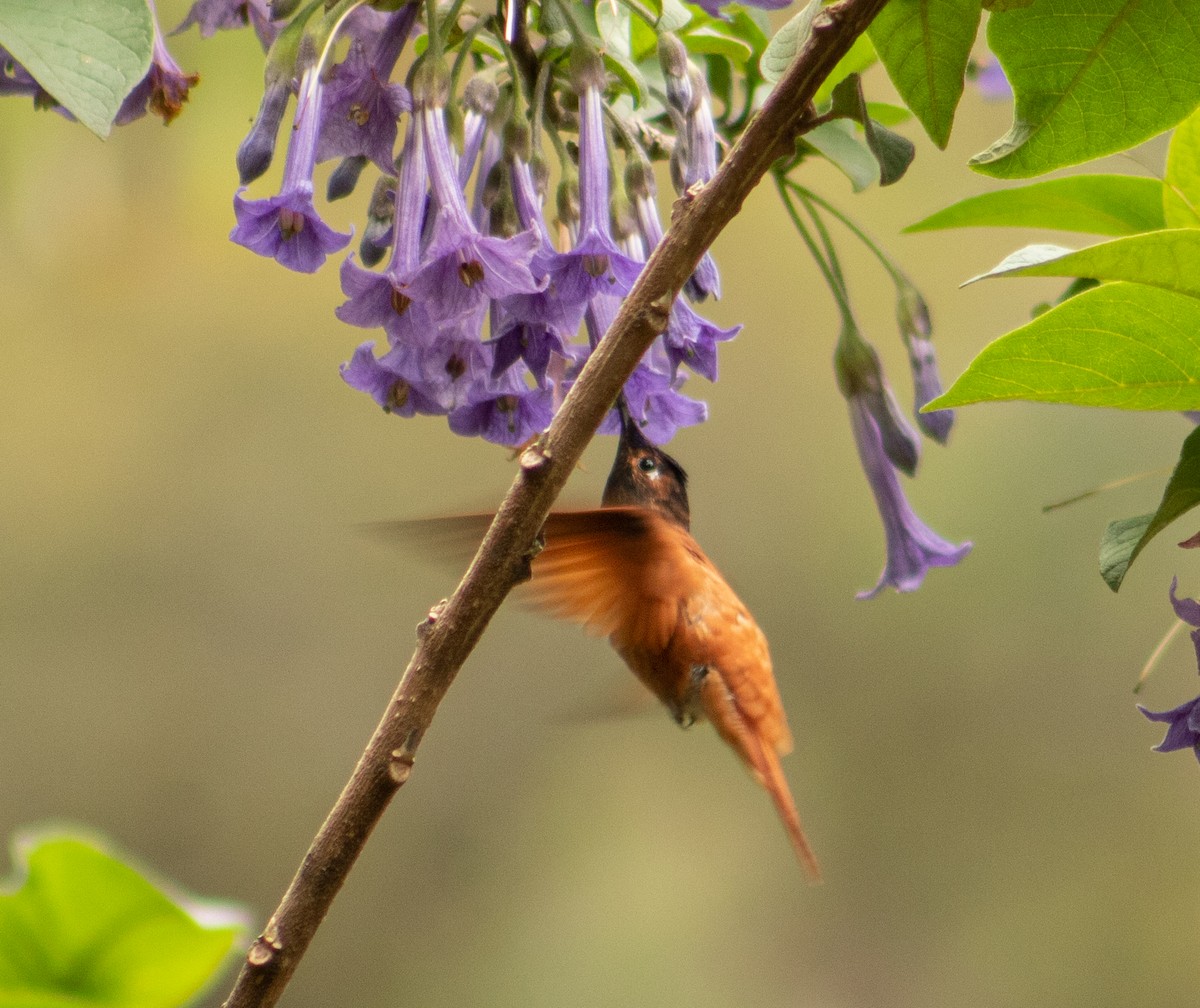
(644,475)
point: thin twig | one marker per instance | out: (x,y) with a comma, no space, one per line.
(451,631)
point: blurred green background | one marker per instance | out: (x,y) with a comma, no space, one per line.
(196,643)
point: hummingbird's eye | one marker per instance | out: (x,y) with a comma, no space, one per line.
(647,464)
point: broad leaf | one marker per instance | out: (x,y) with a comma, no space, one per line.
(1121,345)
(88,55)
(925,44)
(1181,193)
(860,56)
(893,152)
(838,143)
(1120,547)
(1091,77)
(86,930)
(1166,259)
(786,42)
(1095,204)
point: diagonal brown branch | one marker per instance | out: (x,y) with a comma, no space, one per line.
(451,631)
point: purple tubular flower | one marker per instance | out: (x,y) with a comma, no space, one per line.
(212,16)
(461,269)
(1183,731)
(1183,727)
(165,87)
(912,318)
(257,150)
(479,98)
(507,418)
(594,265)
(912,547)
(927,386)
(287,227)
(383,299)
(532,327)
(860,377)
(388,388)
(360,108)
(651,393)
(689,339)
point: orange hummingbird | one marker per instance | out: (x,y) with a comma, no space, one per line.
(631,571)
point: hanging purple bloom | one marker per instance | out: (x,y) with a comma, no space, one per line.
(257,150)
(479,99)
(860,378)
(212,16)
(533,327)
(165,87)
(359,106)
(927,386)
(912,547)
(594,265)
(1183,731)
(391,390)
(287,227)
(507,418)
(461,269)
(912,318)
(689,339)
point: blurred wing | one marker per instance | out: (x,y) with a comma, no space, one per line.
(609,569)
(615,570)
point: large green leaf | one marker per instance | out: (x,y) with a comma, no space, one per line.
(85,930)
(1166,259)
(88,54)
(1091,77)
(1124,540)
(1181,193)
(1120,345)
(925,44)
(1095,204)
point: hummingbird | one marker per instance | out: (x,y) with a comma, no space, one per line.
(631,571)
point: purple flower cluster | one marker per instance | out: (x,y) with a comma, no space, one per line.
(483,313)
(1183,722)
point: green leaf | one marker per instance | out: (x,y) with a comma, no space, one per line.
(1181,193)
(1091,77)
(612,21)
(89,55)
(1096,204)
(1166,259)
(925,45)
(887,114)
(1120,547)
(893,152)
(1121,345)
(859,58)
(626,72)
(836,142)
(708,41)
(673,16)
(85,930)
(786,42)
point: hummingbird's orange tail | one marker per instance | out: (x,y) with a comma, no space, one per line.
(763,761)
